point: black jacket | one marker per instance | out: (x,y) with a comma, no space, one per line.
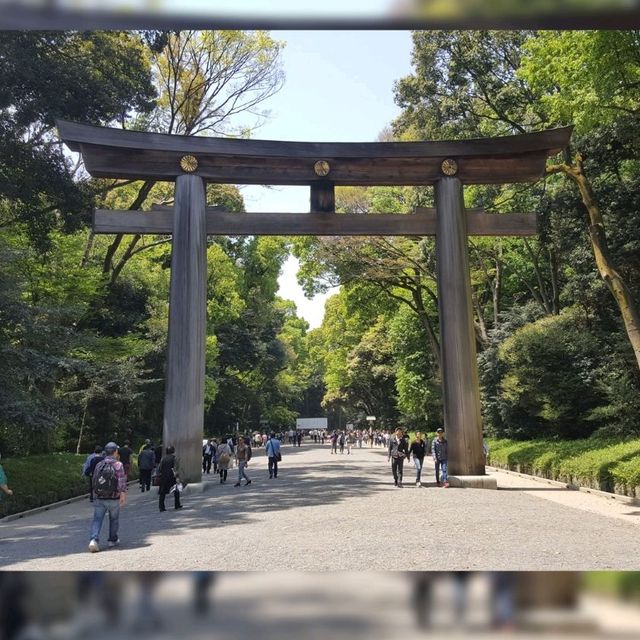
(418,449)
(402,446)
(167,472)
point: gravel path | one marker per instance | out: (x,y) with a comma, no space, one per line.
(326,513)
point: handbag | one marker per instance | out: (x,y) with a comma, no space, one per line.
(155,478)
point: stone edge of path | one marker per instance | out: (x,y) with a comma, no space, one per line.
(628,500)
(47,507)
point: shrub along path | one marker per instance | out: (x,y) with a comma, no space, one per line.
(595,463)
(328,512)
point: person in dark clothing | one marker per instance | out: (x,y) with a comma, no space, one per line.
(125,457)
(90,466)
(440,453)
(418,450)
(169,477)
(158,453)
(398,451)
(208,452)
(146,464)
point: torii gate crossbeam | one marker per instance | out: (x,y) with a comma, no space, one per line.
(193,161)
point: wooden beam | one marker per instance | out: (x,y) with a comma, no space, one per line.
(119,153)
(421,223)
(322,198)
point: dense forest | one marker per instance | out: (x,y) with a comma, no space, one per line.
(83,318)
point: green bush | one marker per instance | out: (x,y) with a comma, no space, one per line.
(43,479)
(549,385)
(594,462)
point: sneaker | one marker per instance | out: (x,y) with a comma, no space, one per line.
(180,506)
(271,477)
(93,546)
(446,485)
(400,485)
(113,543)
(247,483)
(237,484)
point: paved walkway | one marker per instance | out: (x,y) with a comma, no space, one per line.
(327,512)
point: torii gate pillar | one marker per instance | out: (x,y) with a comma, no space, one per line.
(460,388)
(184,392)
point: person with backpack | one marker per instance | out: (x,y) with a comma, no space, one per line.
(110,489)
(440,453)
(146,464)
(272,449)
(224,458)
(341,442)
(89,467)
(168,478)
(243,455)
(398,451)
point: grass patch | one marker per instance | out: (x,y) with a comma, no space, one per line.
(43,479)
(593,462)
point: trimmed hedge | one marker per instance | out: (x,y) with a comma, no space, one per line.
(596,463)
(43,479)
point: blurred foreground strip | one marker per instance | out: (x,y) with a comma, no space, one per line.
(283,14)
(279,606)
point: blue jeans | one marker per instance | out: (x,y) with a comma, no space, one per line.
(442,471)
(100,509)
(242,465)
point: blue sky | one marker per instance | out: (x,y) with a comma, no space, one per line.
(339,88)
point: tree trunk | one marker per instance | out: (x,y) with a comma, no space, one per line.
(87,250)
(136,204)
(606,268)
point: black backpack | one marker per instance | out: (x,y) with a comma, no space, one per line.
(249,453)
(105,481)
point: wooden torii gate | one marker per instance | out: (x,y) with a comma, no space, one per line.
(193,161)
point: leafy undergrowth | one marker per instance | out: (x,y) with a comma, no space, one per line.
(606,465)
(43,479)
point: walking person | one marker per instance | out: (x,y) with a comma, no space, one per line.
(110,489)
(124,455)
(4,486)
(146,464)
(341,440)
(223,455)
(243,455)
(168,478)
(349,438)
(334,443)
(398,451)
(272,450)
(418,451)
(207,456)
(89,467)
(440,451)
